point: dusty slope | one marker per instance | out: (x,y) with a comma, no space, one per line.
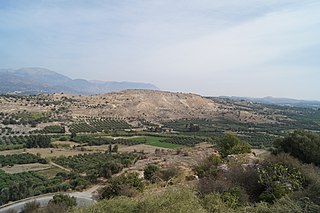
(153,105)
(148,104)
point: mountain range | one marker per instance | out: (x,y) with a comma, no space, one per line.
(278,101)
(41,80)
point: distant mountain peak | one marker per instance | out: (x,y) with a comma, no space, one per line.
(34,80)
(280,101)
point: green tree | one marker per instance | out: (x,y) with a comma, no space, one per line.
(231,144)
(193,127)
(115,148)
(302,145)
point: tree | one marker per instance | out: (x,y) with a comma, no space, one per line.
(115,148)
(231,144)
(194,127)
(302,145)
(110,148)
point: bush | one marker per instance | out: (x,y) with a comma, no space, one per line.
(246,178)
(221,203)
(126,185)
(64,200)
(302,145)
(170,201)
(63,138)
(150,170)
(208,167)
(210,185)
(31,207)
(167,174)
(280,175)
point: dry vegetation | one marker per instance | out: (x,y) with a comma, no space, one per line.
(143,104)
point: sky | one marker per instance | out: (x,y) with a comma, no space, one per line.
(247,48)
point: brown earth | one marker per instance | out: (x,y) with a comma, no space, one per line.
(150,105)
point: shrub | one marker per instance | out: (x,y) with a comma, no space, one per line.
(280,176)
(221,203)
(64,200)
(208,166)
(150,170)
(126,185)
(302,145)
(31,207)
(167,174)
(246,178)
(170,201)
(231,144)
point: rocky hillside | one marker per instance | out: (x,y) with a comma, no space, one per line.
(151,105)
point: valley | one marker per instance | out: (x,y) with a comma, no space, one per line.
(63,143)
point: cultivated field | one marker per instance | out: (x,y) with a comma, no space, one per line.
(25,168)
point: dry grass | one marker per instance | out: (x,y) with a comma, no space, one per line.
(45,152)
(25,168)
(55,152)
(11,152)
(50,172)
(140,147)
(64,143)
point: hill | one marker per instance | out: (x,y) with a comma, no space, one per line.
(152,105)
(40,80)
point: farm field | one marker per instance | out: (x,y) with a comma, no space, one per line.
(54,152)
(46,152)
(157,141)
(50,172)
(140,148)
(25,168)
(73,153)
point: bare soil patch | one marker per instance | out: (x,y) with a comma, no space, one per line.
(65,143)
(25,168)
(56,152)
(139,148)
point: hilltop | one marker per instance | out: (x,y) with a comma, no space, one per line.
(151,105)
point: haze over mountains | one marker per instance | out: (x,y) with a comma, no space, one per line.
(279,101)
(28,81)
(40,80)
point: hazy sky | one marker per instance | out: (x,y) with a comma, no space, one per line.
(210,47)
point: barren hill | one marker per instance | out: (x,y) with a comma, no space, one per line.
(157,106)
(151,105)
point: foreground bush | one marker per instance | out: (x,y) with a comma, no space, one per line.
(170,201)
(184,200)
